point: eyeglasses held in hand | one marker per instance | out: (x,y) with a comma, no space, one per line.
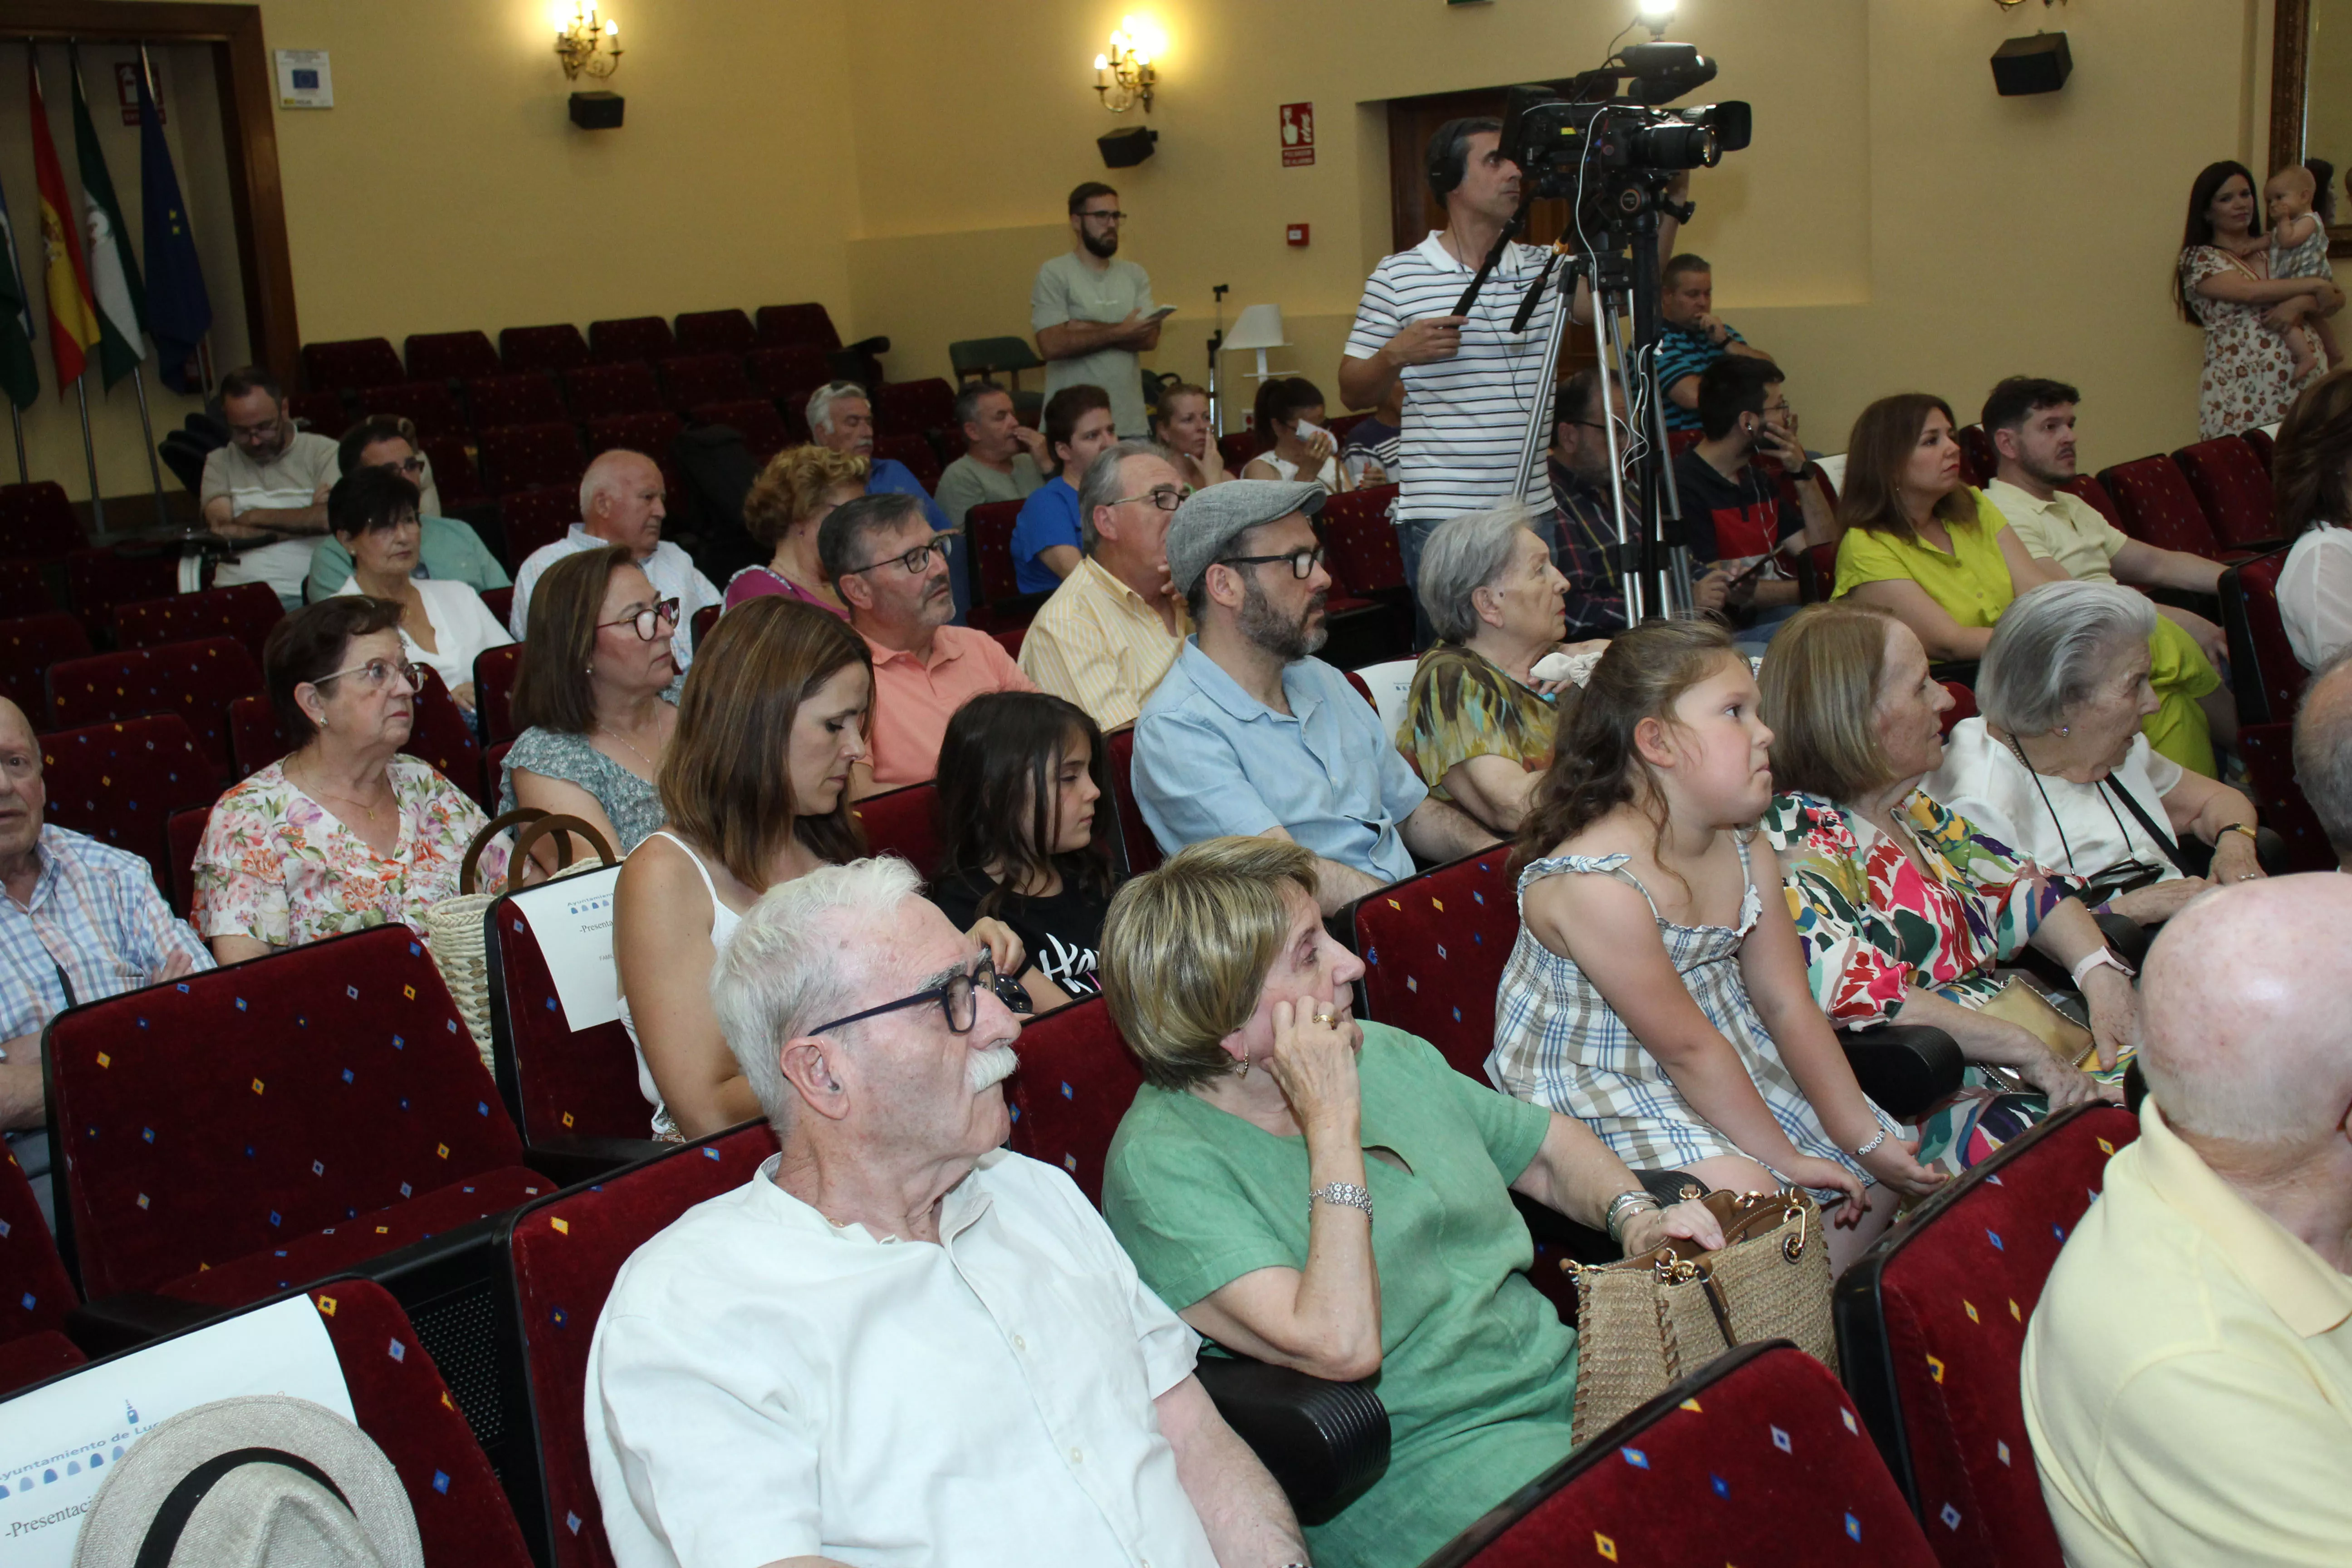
(1302,561)
(957,998)
(1167,498)
(377,673)
(916,561)
(648,622)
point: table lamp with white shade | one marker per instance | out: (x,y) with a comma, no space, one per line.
(1260,328)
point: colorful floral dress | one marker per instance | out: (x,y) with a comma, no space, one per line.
(2249,374)
(1463,705)
(279,867)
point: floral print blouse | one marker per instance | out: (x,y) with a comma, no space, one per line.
(1463,705)
(1872,926)
(276,866)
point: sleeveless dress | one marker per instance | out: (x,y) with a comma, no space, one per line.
(723,922)
(1560,1043)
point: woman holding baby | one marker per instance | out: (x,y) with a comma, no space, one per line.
(2255,320)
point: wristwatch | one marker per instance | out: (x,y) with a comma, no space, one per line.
(2094,960)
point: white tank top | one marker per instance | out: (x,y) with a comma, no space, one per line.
(723,922)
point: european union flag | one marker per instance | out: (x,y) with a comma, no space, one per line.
(179,311)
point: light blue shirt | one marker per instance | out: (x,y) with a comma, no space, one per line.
(1210,759)
(1049,517)
(889,476)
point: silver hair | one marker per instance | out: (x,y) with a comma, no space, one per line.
(821,402)
(1101,485)
(781,973)
(2051,647)
(1465,554)
(599,479)
(2322,751)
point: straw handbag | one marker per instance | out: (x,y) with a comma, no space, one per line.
(1643,1323)
(454,926)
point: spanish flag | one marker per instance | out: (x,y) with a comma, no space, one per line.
(73,309)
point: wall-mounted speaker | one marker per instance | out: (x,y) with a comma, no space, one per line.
(597,111)
(2039,64)
(1126,149)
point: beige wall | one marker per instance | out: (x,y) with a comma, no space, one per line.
(1895,225)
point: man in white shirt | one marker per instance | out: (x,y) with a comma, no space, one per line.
(621,496)
(270,482)
(899,1342)
(1093,314)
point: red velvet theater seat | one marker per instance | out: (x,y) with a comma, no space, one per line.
(558,347)
(36,1358)
(37,522)
(1075,1079)
(1980,460)
(715,331)
(183,833)
(559,1083)
(1363,541)
(1756,1459)
(788,372)
(789,326)
(35,1291)
(441,735)
(1434,948)
(524,397)
(630,338)
(694,380)
(563,1256)
(1136,839)
(763,429)
(536,519)
(274,1122)
(196,680)
(2268,751)
(1931,1327)
(2158,506)
(533,456)
(904,822)
(429,406)
(450,356)
(2091,490)
(2233,484)
(23,589)
(99,579)
(255,737)
(28,647)
(246,612)
(989,525)
(494,676)
(2264,675)
(350,364)
(120,783)
(910,407)
(598,390)
(911,453)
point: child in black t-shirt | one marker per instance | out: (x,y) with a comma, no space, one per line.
(1020,776)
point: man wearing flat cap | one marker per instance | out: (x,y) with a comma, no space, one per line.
(1248,734)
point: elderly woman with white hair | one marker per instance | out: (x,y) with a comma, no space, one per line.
(2059,769)
(1478,722)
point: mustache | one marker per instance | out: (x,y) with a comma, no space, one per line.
(987,1068)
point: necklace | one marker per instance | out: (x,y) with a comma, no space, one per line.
(314,788)
(616,734)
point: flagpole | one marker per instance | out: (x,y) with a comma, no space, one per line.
(89,453)
(154,467)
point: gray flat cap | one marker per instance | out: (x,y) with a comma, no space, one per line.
(1207,522)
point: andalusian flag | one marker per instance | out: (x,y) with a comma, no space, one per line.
(73,314)
(113,272)
(20,378)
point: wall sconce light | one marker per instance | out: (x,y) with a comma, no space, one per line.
(2008,5)
(585,44)
(1124,76)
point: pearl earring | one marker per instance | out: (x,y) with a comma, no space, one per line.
(2065,729)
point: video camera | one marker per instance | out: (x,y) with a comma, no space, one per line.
(1568,143)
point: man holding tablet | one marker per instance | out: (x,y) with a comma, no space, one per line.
(1093,312)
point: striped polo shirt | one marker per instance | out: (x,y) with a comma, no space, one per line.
(1465,416)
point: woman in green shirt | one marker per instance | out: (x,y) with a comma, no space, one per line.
(1245,1179)
(1940,556)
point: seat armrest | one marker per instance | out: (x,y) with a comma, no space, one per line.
(131,1318)
(874,345)
(1905,1068)
(571,1161)
(1324,1442)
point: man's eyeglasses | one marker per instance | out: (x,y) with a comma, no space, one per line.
(378,673)
(1167,498)
(916,561)
(1105,218)
(648,622)
(958,996)
(409,467)
(1302,561)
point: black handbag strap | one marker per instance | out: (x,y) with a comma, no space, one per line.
(2140,813)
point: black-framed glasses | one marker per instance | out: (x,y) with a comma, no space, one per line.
(377,673)
(648,621)
(916,561)
(958,996)
(409,467)
(1167,498)
(1107,217)
(1302,561)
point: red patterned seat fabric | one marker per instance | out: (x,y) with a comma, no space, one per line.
(450,356)
(1135,834)
(1361,539)
(557,347)
(354,363)
(255,739)
(568,1084)
(183,834)
(2157,507)
(2091,490)
(653,434)
(788,372)
(695,378)
(399,1400)
(442,735)
(2233,486)
(630,338)
(1434,948)
(1953,1295)
(2277,674)
(429,405)
(715,331)
(912,452)
(564,1253)
(904,823)
(525,397)
(494,673)
(28,647)
(453,474)
(97,580)
(246,612)
(597,390)
(213,1118)
(535,518)
(763,429)
(36,1358)
(989,525)
(1978,460)
(23,589)
(35,1291)
(786,326)
(905,407)
(2268,751)
(1075,1080)
(533,456)
(196,680)
(121,783)
(1761,1462)
(36,521)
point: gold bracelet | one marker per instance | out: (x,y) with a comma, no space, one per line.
(2235,827)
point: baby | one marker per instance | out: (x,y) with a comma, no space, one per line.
(2298,244)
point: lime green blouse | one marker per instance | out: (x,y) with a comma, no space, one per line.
(1971,584)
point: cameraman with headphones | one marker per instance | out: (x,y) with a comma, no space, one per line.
(1469,381)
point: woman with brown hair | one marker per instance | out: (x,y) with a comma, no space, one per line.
(2223,283)
(1942,559)
(795,492)
(594,694)
(1180,422)
(2311,472)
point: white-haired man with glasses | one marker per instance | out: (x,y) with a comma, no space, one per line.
(1249,734)
(1113,627)
(899,1342)
(891,571)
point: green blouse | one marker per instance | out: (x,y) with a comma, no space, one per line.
(1971,584)
(1477,1371)
(1463,705)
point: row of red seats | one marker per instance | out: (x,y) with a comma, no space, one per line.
(358,364)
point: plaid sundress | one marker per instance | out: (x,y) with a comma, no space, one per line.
(1560,1043)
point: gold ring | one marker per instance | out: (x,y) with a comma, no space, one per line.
(1327,1020)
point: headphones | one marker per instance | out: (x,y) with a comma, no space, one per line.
(1449,153)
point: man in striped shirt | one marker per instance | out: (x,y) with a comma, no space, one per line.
(1114,626)
(1691,338)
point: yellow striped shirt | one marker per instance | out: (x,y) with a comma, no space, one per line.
(1101,644)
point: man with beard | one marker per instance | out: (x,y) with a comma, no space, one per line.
(1733,512)
(269,483)
(1249,734)
(891,571)
(899,1342)
(1093,312)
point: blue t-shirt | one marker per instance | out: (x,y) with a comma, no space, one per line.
(889,476)
(1049,517)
